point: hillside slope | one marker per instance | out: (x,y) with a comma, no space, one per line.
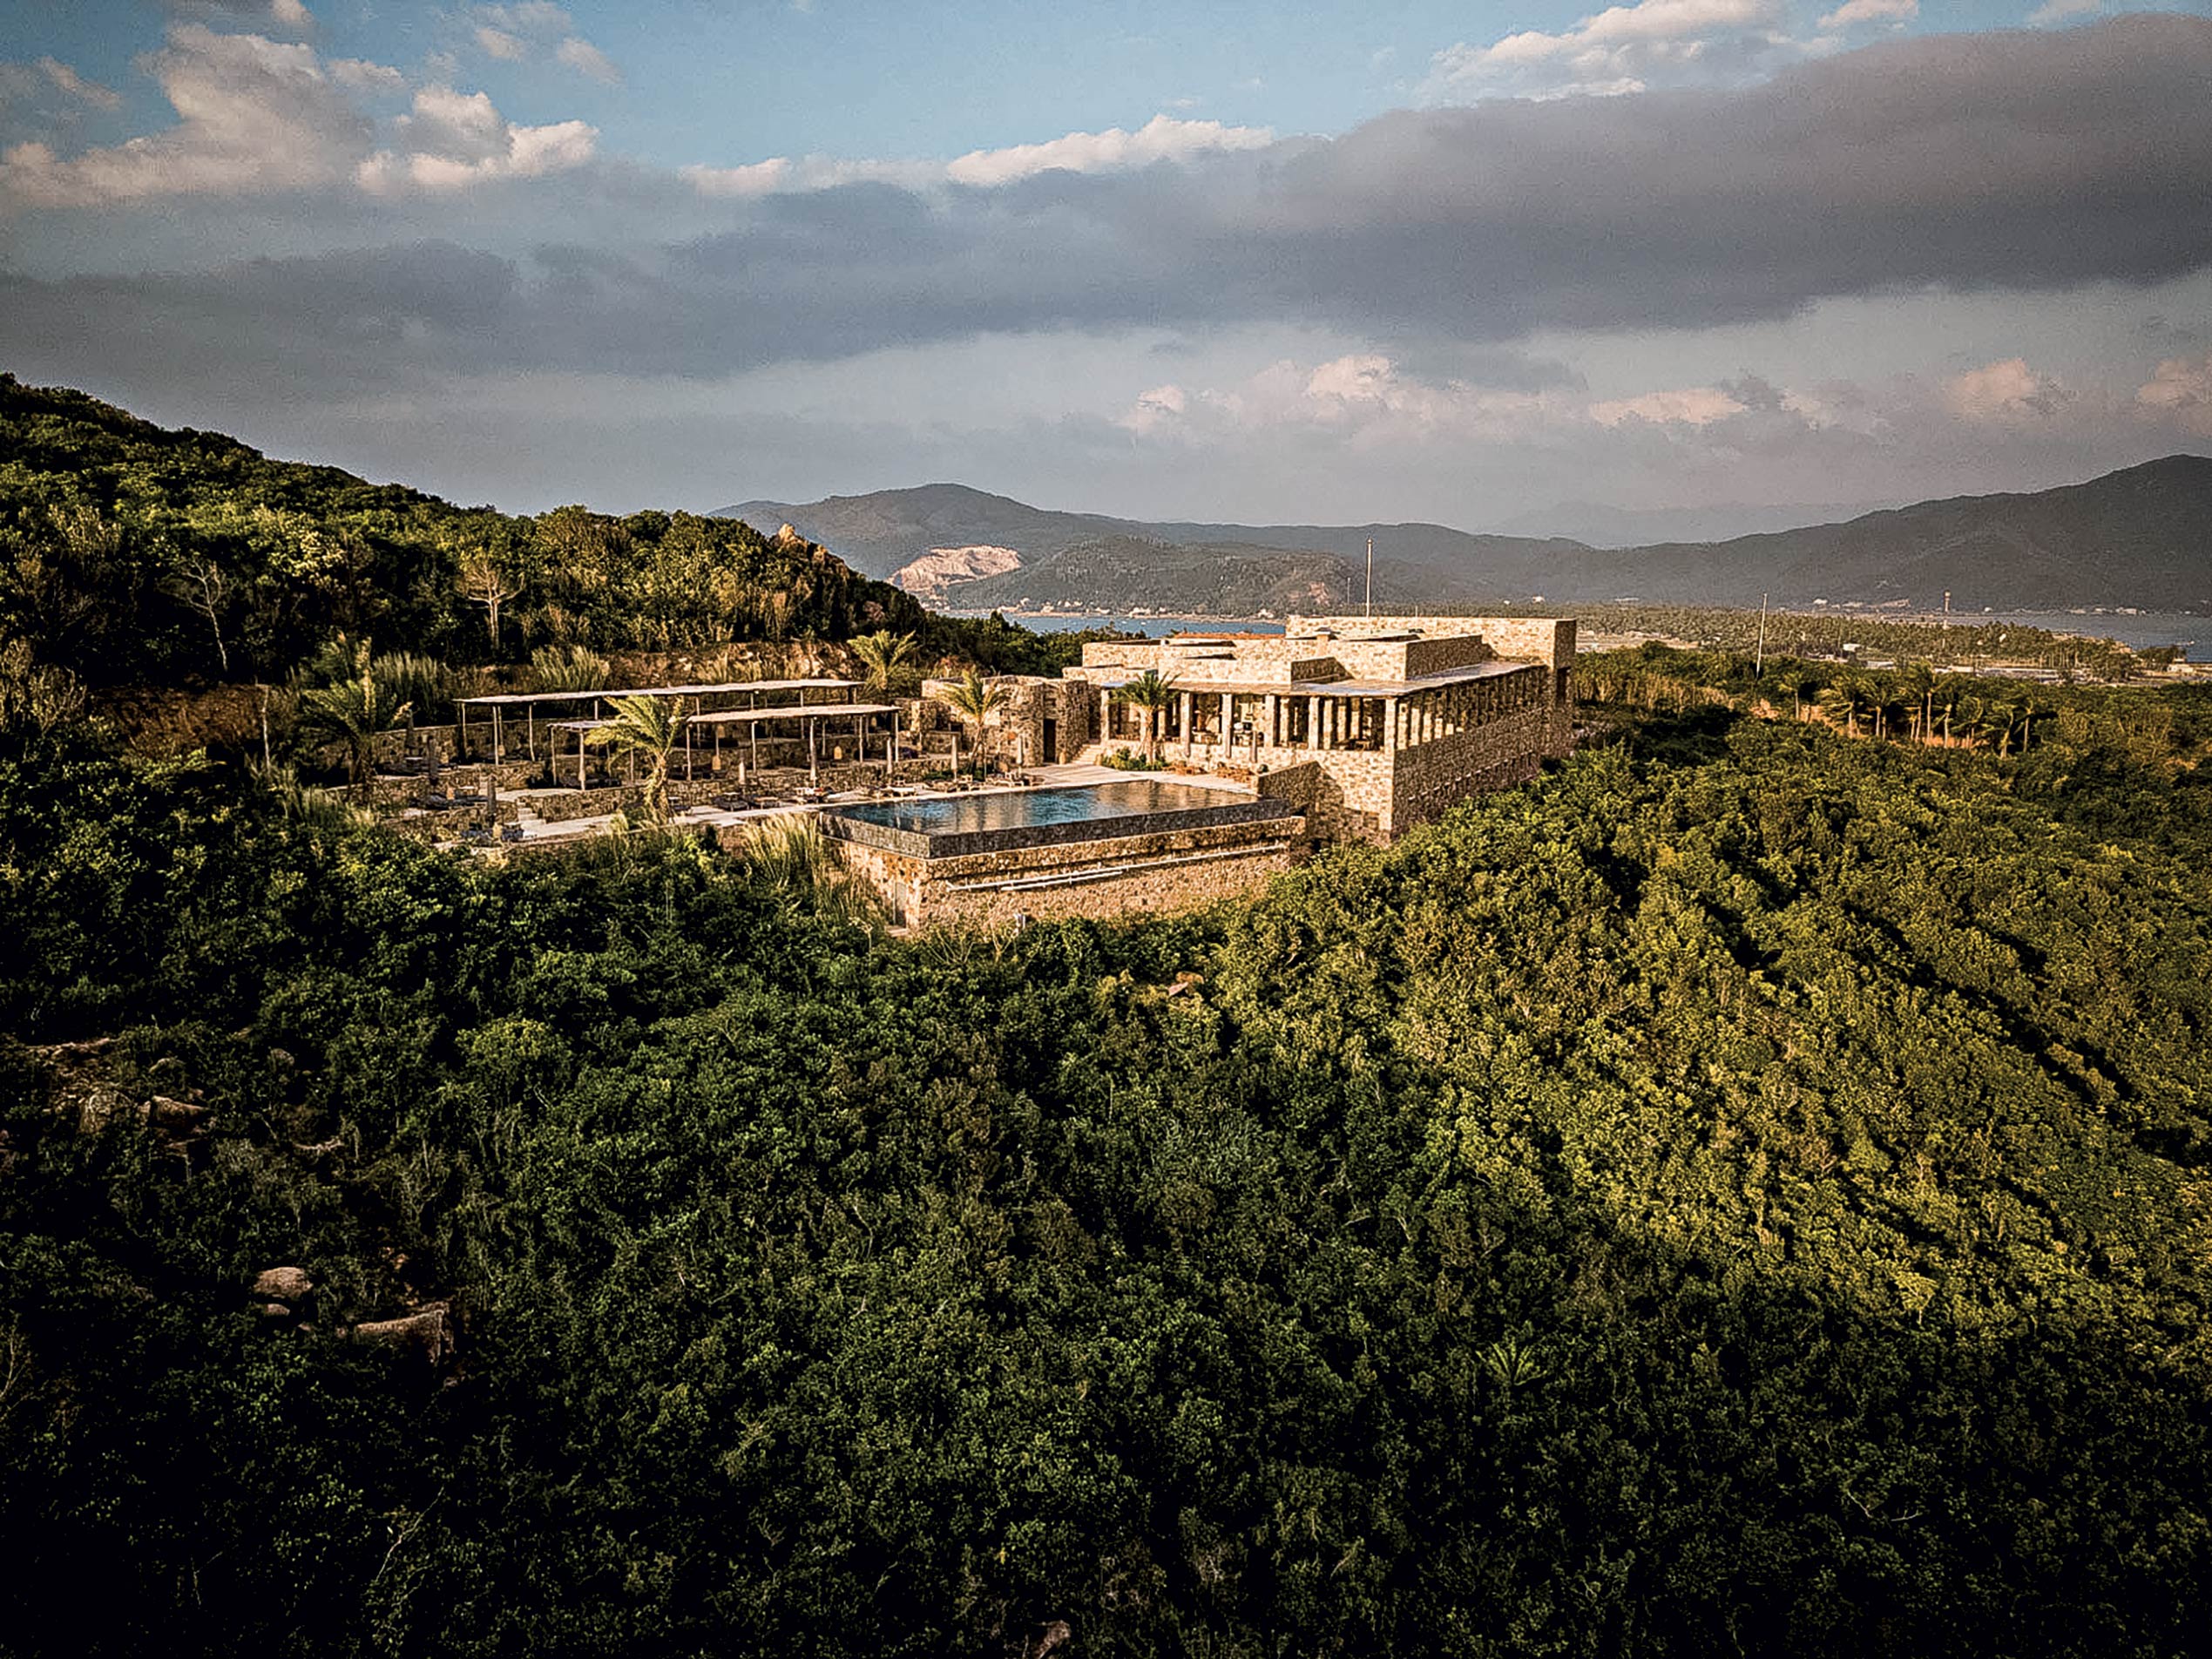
(132,553)
(2140,536)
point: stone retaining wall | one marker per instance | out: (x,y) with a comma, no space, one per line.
(1439,775)
(585,803)
(1169,868)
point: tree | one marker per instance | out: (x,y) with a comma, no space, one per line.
(1152,694)
(355,708)
(199,582)
(649,727)
(483,582)
(1842,697)
(890,659)
(1917,686)
(975,701)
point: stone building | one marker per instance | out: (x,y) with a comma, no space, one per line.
(1399,717)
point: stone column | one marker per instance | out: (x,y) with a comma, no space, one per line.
(1227,735)
(1271,717)
(1186,707)
(1313,722)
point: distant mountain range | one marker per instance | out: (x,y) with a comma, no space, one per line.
(2140,536)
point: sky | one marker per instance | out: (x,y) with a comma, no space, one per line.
(1495,265)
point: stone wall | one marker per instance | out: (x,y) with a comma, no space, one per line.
(1433,779)
(1547,639)
(1164,870)
(566,804)
(1016,739)
(1296,785)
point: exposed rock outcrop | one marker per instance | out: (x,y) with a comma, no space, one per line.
(426,1337)
(287,1284)
(928,577)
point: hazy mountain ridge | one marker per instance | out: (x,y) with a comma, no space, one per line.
(2142,537)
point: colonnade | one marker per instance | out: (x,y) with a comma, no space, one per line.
(1317,720)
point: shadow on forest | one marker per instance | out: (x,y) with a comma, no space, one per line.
(1688,737)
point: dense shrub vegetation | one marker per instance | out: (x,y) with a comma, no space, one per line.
(1745,1192)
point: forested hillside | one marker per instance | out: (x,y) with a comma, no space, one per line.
(1746,1192)
(132,554)
(1207,579)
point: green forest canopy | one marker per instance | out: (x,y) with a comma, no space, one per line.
(129,554)
(1746,1191)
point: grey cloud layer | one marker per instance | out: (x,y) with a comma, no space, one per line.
(2006,162)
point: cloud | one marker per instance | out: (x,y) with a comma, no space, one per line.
(288,17)
(254,114)
(257,116)
(584,58)
(2181,390)
(1983,165)
(1365,399)
(517,33)
(1690,406)
(2004,391)
(454,140)
(1612,52)
(2058,11)
(1162,139)
(363,76)
(529,17)
(754,179)
(67,80)
(1851,13)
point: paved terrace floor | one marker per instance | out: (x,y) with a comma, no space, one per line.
(538,831)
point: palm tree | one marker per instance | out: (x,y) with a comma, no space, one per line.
(649,727)
(976,699)
(1152,694)
(1843,696)
(890,659)
(1997,719)
(1804,686)
(355,708)
(1915,688)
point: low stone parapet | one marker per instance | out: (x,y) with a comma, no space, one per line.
(560,806)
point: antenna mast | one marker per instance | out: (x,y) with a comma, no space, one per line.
(1759,664)
(1371,576)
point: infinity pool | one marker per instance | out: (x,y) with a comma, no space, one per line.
(964,814)
(958,825)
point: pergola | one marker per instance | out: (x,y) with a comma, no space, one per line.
(812,714)
(496,702)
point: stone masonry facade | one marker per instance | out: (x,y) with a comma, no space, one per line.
(1401,717)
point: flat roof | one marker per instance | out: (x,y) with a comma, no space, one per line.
(511,697)
(752,716)
(794,711)
(1331,687)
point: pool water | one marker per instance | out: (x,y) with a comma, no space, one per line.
(961,815)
